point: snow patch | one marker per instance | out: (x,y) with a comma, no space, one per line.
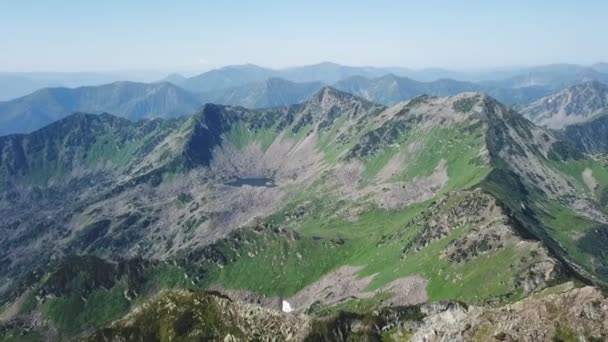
(287,306)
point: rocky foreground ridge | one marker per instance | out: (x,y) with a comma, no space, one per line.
(561,313)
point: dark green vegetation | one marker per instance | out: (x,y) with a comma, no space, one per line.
(86,141)
(81,293)
(423,201)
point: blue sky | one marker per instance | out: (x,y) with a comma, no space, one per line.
(71,35)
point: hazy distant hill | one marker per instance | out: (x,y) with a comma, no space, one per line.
(256,87)
(140,100)
(17,84)
(14,85)
(601,67)
(556,76)
(226,77)
(268,93)
(239,75)
(391,89)
(329,72)
(127,99)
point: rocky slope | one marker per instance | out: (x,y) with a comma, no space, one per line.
(575,104)
(590,136)
(561,313)
(335,204)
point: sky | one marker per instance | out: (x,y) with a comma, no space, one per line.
(71,35)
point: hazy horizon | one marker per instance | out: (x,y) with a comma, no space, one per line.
(194,71)
(109,36)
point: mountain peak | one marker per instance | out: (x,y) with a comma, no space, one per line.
(79,118)
(246,66)
(328,98)
(458,107)
(328,93)
(326,64)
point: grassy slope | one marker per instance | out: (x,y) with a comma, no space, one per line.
(277,266)
(112,146)
(240,135)
(570,234)
(20,336)
(580,237)
(280,267)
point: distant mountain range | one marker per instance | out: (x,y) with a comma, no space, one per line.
(252,86)
(555,76)
(17,84)
(239,75)
(391,89)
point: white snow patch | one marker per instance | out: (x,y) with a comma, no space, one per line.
(287,306)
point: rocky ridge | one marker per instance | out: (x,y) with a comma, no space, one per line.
(575,104)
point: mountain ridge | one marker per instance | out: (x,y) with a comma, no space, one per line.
(138,100)
(575,104)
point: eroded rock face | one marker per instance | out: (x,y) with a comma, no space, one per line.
(590,137)
(573,105)
(474,209)
(487,227)
(344,284)
(204,316)
(554,314)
